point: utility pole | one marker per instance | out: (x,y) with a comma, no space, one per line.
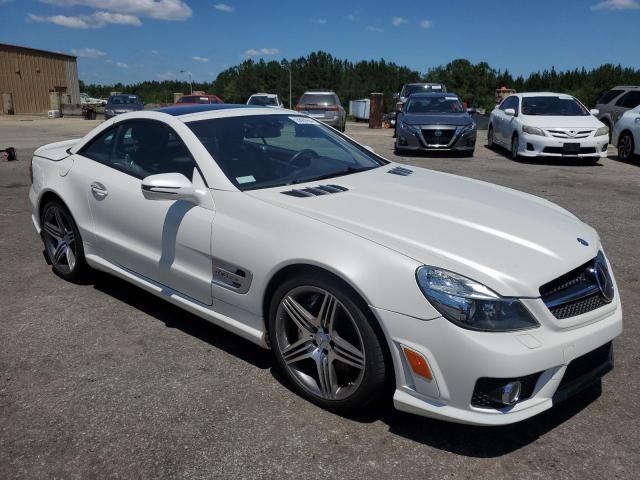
(190,80)
(289,67)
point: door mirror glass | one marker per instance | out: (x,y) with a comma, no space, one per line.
(595,112)
(509,111)
(169,186)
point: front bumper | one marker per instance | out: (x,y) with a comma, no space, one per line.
(537,145)
(457,358)
(460,141)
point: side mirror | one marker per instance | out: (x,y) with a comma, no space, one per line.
(399,106)
(595,112)
(510,111)
(169,186)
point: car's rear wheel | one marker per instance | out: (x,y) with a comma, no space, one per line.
(515,147)
(325,343)
(490,142)
(626,146)
(62,242)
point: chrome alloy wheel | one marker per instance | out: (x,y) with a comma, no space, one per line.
(320,343)
(625,146)
(59,239)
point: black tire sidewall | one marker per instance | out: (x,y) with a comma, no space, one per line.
(626,134)
(377,369)
(80,268)
(490,142)
(514,154)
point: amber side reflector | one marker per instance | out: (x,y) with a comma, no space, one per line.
(418,363)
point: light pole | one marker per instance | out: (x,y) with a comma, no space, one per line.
(190,80)
(289,67)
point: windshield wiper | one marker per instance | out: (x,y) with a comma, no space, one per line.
(346,171)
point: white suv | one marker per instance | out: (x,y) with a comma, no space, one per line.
(265,100)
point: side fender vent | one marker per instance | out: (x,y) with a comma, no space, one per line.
(315,191)
(400,171)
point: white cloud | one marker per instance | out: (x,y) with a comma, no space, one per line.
(371,28)
(426,23)
(159,9)
(397,21)
(96,20)
(617,5)
(121,65)
(321,21)
(200,59)
(155,52)
(252,52)
(223,7)
(88,52)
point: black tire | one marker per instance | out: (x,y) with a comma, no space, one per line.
(377,368)
(60,232)
(626,146)
(490,143)
(515,143)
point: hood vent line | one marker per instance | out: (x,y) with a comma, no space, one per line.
(400,171)
(315,191)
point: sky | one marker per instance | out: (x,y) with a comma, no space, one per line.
(135,40)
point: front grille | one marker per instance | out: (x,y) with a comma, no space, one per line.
(431,138)
(484,387)
(578,291)
(565,134)
(560,150)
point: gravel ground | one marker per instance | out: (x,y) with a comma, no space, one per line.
(104,380)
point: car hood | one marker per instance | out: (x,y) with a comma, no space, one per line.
(510,241)
(552,121)
(458,119)
(125,108)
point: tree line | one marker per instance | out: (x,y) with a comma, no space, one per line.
(475,83)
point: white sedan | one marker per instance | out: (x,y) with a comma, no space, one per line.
(626,134)
(472,302)
(547,124)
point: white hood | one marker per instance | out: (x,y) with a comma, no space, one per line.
(510,241)
(556,121)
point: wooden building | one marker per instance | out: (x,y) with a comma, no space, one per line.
(31,76)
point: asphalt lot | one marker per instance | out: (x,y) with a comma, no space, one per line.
(105,380)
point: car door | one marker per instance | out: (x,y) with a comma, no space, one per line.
(499,131)
(163,240)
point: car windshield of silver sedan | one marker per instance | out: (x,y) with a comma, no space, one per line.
(434,105)
(262,151)
(554,106)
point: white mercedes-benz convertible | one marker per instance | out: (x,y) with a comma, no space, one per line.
(473,302)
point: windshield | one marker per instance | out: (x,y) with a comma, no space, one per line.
(123,100)
(261,151)
(262,100)
(554,106)
(409,89)
(434,105)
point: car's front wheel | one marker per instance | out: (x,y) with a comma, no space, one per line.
(626,146)
(490,143)
(325,343)
(62,242)
(515,147)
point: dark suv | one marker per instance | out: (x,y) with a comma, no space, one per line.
(615,102)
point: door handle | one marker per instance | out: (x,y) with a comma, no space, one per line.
(99,190)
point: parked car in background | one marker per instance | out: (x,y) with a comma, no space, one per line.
(615,102)
(626,134)
(467,301)
(410,88)
(88,101)
(435,121)
(323,105)
(265,100)
(122,103)
(547,124)
(198,100)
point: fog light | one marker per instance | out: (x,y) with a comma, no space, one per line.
(530,146)
(508,394)
(604,147)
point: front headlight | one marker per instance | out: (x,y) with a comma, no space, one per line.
(470,304)
(109,111)
(468,128)
(602,131)
(533,130)
(409,128)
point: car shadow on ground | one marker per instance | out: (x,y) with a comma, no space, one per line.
(466,440)
(633,161)
(555,161)
(175,317)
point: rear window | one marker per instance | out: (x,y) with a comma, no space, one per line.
(318,99)
(610,95)
(194,99)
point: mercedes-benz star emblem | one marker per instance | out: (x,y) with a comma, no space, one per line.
(582,241)
(603,280)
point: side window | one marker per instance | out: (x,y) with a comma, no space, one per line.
(101,148)
(630,100)
(510,102)
(146,148)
